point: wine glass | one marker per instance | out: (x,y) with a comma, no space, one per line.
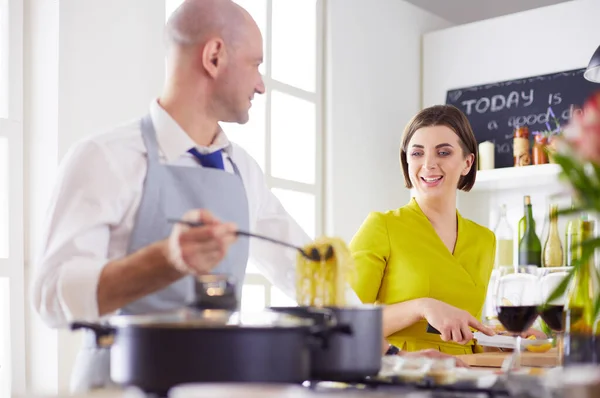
(552,313)
(215,292)
(517,302)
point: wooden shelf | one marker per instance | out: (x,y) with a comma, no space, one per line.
(517,177)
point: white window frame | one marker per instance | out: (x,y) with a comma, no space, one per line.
(12,128)
(316,97)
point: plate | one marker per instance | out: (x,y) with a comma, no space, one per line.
(503,341)
(478,378)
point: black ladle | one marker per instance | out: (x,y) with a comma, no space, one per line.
(314,254)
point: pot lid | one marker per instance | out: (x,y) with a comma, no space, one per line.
(191,318)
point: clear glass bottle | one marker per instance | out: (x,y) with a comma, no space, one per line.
(504,241)
(552,255)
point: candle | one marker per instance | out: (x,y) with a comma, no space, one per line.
(486,155)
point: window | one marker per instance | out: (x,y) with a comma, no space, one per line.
(12,294)
(284,133)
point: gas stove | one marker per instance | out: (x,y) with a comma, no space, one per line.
(391,388)
(329,389)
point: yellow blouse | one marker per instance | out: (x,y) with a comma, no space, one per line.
(399,257)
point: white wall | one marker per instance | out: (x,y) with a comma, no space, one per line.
(88,65)
(373,74)
(535,42)
(540,41)
(545,40)
(92,64)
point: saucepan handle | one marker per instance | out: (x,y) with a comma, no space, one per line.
(104,334)
(323,332)
(328,315)
(319,315)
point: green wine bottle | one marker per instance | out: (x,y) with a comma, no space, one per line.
(523,224)
(530,247)
(582,335)
(572,248)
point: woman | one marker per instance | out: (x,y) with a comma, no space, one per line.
(424,261)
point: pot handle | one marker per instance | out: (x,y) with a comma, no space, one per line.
(328,315)
(323,333)
(104,334)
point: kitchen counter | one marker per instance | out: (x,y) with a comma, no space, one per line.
(232,392)
(260,391)
(528,359)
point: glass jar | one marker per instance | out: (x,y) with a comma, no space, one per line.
(539,149)
(521,151)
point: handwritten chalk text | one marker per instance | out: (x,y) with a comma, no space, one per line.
(499,102)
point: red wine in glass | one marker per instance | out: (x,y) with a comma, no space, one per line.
(517,319)
(553,316)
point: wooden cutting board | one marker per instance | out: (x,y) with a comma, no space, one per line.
(495,359)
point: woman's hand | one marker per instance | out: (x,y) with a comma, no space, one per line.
(454,324)
(539,335)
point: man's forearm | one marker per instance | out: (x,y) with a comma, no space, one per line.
(132,277)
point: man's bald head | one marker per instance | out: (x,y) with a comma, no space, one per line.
(214,57)
(195,21)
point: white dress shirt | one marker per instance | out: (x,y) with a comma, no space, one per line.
(93,207)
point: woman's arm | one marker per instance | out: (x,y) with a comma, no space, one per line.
(453,323)
(370,248)
(402,315)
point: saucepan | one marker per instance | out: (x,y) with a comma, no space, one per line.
(156,352)
(351,356)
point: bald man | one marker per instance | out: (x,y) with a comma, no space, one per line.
(108,244)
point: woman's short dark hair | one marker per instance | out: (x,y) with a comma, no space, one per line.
(451,117)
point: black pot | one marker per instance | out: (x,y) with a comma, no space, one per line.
(346,357)
(157,352)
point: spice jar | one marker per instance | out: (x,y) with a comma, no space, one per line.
(552,147)
(521,146)
(539,149)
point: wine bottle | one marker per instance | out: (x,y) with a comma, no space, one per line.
(523,224)
(572,240)
(530,248)
(504,241)
(553,252)
(582,339)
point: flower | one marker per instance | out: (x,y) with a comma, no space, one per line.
(577,152)
(583,132)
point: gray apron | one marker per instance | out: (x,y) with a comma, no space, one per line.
(169,192)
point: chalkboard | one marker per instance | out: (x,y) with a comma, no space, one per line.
(494,110)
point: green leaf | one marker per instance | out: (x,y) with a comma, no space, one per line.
(563,212)
(562,286)
(596,308)
(587,250)
(544,327)
(590,244)
(575,172)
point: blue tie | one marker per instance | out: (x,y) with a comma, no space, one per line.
(213,160)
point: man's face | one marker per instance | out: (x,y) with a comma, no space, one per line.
(241,79)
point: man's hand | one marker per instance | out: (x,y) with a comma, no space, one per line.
(197,250)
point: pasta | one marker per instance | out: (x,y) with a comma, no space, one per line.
(323,283)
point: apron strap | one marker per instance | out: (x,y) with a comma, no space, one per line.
(149,137)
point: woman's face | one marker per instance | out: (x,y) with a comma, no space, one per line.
(436,161)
